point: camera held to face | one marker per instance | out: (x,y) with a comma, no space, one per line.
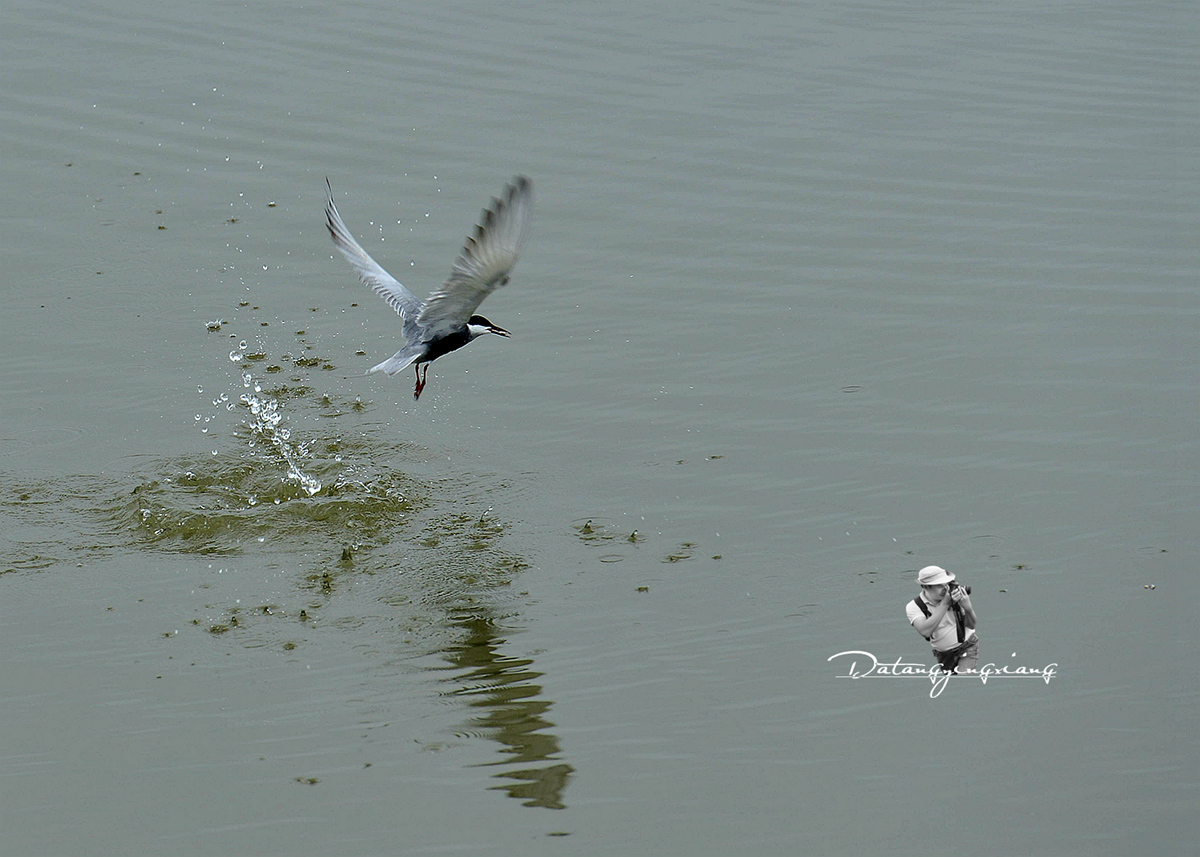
(954,584)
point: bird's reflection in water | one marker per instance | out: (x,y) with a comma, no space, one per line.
(510,710)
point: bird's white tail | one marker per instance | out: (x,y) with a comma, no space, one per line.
(400,360)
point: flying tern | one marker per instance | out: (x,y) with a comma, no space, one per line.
(445,321)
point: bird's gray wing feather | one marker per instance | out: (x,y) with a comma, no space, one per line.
(485,261)
(369,271)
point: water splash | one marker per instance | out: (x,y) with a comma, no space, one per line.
(266,424)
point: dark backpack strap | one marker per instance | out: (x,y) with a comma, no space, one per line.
(962,624)
(921,606)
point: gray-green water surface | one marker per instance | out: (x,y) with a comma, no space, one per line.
(816,294)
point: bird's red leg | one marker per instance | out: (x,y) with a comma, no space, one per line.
(420,381)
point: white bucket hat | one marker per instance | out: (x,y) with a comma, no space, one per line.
(933,575)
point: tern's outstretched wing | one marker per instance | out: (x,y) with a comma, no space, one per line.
(485,261)
(369,271)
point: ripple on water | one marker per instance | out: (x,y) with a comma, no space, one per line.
(299,482)
(218,504)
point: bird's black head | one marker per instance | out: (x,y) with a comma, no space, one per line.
(478,325)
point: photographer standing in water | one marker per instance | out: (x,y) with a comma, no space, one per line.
(943,615)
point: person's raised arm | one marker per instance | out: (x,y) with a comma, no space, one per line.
(925,625)
(964,605)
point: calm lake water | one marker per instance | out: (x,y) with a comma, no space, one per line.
(816,294)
